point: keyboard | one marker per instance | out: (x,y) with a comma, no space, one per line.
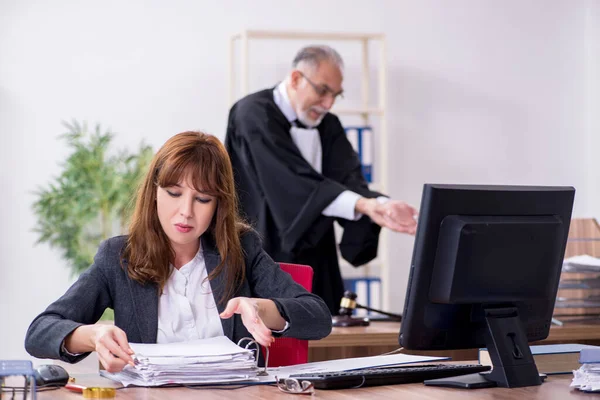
(387,376)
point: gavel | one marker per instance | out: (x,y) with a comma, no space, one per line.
(348,304)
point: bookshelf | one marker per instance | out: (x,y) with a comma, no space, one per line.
(578,292)
(369,108)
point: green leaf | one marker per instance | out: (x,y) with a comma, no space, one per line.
(91,198)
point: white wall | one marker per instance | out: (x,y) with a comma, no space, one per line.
(488,92)
(479,92)
(592,83)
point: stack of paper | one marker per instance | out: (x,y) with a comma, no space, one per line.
(214,360)
(349,364)
(587,377)
(582,263)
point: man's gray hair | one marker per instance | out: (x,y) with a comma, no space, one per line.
(314,55)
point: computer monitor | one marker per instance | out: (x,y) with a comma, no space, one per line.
(485,270)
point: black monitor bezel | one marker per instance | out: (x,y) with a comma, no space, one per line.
(439,200)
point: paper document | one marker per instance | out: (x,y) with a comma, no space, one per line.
(213,360)
(587,377)
(347,364)
(583,263)
(220,361)
(216,346)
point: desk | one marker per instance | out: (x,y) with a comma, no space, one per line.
(555,388)
(382,337)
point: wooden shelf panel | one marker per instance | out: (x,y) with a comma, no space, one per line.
(584,228)
(260,34)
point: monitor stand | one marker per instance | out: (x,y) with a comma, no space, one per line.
(512,362)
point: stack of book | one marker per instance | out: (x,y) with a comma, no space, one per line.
(361,139)
(550,359)
(579,289)
(587,377)
(205,361)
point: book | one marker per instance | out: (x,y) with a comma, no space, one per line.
(368,293)
(587,377)
(361,139)
(549,358)
(590,355)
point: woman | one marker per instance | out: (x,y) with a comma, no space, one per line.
(187,266)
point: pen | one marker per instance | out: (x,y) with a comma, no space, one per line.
(74,387)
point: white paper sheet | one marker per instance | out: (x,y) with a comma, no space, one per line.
(346,364)
(583,262)
(216,346)
(218,360)
(214,360)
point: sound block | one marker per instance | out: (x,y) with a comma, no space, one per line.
(345,320)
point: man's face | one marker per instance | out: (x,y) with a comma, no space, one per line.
(315,91)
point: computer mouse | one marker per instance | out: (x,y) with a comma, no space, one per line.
(51,375)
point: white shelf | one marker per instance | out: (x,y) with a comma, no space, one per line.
(359,111)
(367,109)
(299,35)
(368,270)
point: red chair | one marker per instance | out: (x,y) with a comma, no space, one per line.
(290,351)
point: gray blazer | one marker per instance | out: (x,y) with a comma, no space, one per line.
(106,285)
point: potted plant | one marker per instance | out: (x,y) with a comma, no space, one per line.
(91,199)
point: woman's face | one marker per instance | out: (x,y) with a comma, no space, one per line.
(184,213)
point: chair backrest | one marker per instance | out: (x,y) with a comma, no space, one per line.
(290,351)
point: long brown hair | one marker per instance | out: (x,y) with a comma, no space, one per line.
(148,251)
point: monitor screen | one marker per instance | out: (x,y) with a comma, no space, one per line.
(485,270)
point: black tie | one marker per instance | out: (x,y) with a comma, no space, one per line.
(299,124)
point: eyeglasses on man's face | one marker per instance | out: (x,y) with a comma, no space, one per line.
(323,90)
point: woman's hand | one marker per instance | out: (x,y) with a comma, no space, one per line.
(248,308)
(112,347)
(109,341)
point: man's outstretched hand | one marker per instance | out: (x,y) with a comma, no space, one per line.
(393,214)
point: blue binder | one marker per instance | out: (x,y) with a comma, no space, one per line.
(361,138)
(368,291)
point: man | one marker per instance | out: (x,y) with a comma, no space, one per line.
(296,173)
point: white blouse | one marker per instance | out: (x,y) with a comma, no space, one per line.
(186,308)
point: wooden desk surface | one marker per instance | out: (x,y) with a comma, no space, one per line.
(386,333)
(382,337)
(555,388)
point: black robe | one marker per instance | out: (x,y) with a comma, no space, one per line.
(283,196)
